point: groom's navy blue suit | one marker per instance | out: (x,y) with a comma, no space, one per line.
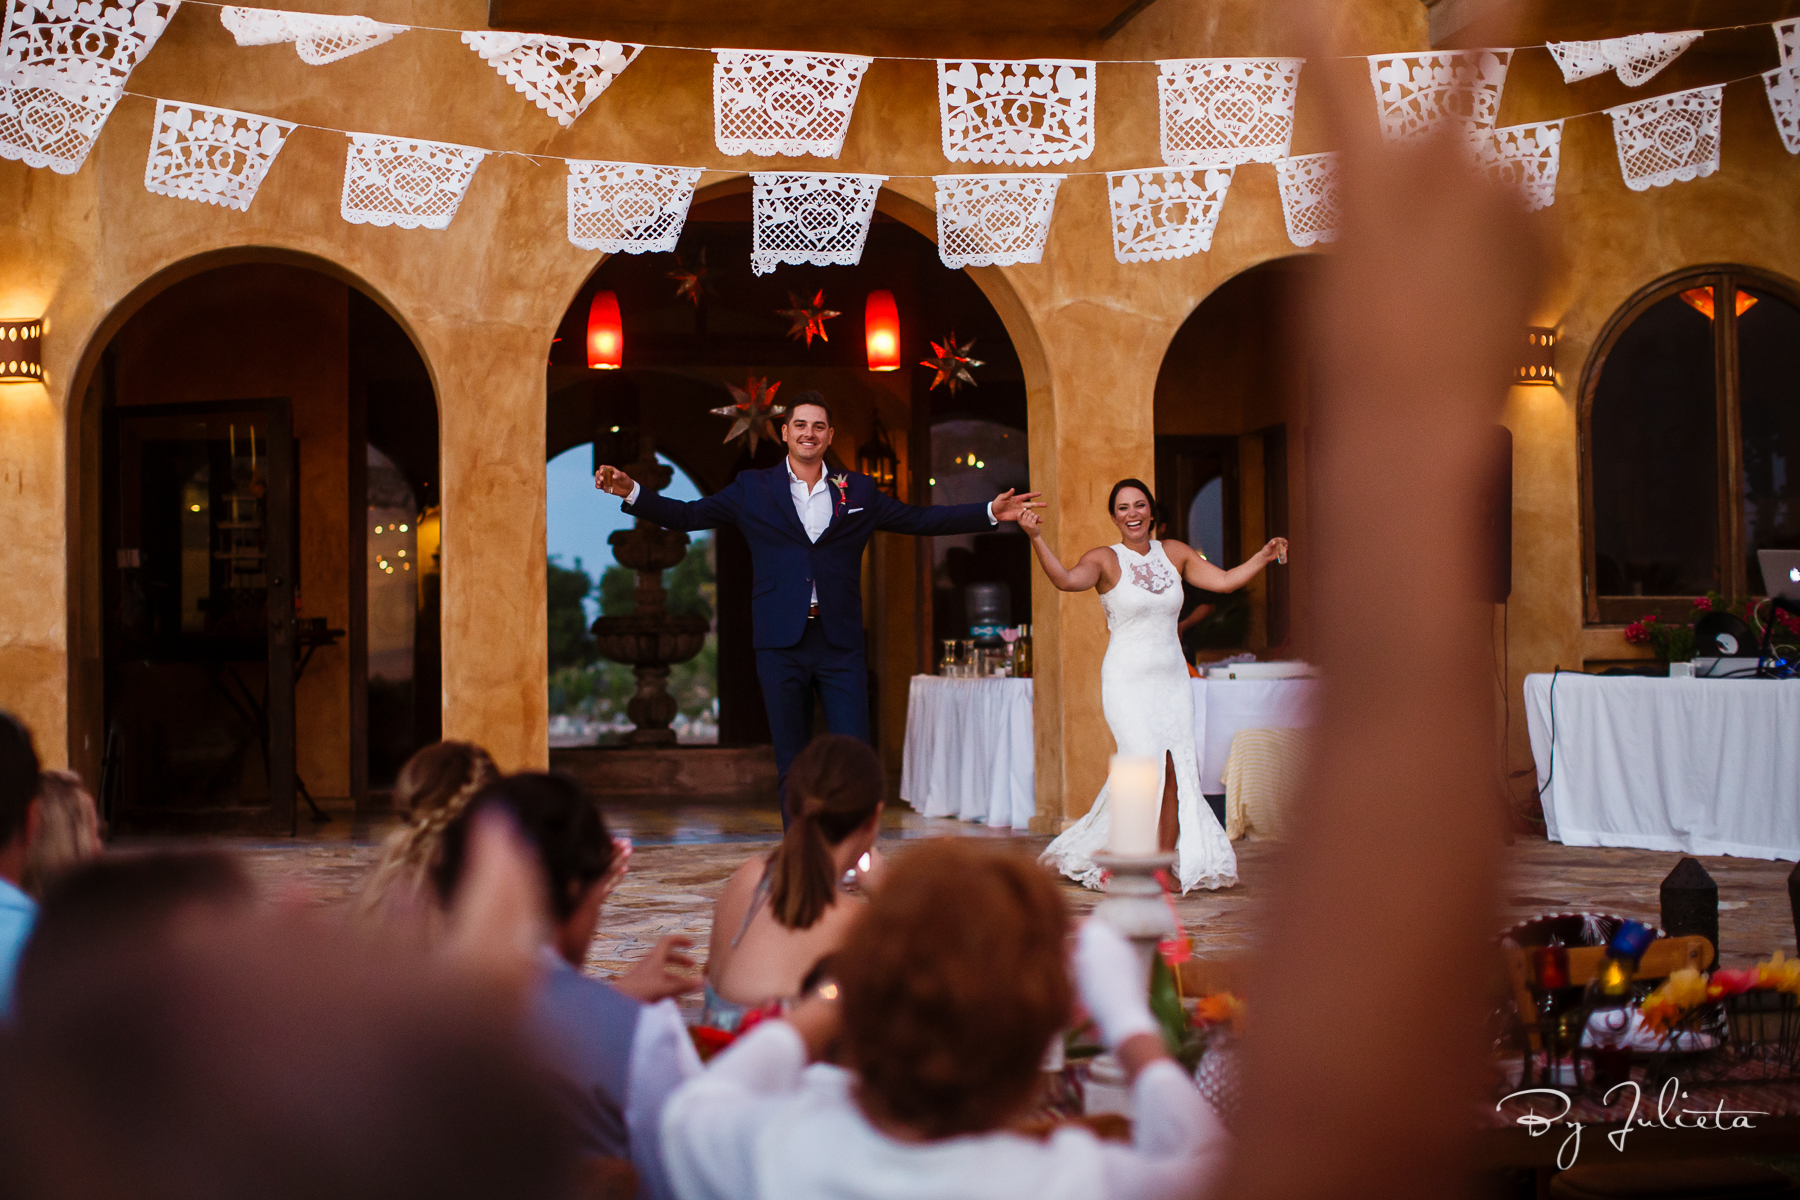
(795,653)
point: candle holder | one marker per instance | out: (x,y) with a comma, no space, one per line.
(1134,903)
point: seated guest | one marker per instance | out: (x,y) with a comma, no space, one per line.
(68,829)
(948,992)
(431,791)
(783,912)
(617,1051)
(19,811)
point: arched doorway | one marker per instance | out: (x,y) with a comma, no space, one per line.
(680,358)
(1230,448)
(263,575)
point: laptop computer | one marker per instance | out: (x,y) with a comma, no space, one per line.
(1781,573)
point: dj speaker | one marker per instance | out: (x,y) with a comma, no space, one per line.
(1495,516)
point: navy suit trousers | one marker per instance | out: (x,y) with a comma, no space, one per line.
(789,676)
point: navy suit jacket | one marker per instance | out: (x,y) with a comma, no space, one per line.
(788,563)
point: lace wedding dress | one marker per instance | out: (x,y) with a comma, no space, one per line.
(1149,705)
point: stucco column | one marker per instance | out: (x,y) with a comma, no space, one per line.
(490,388)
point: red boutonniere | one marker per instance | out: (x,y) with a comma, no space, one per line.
(842,484)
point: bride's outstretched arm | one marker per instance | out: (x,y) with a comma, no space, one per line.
(1202,574)
(1079,578)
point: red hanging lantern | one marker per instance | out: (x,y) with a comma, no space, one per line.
(605,335)
(881,329)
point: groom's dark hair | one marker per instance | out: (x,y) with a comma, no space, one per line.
(812,398)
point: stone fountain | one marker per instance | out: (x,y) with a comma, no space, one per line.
(652,639)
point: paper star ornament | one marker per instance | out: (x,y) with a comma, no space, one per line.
(808,319)
(690,282)
(753,411)
(952,363)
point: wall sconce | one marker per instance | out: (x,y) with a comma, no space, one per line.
(1537,361)
(21,351)
(876,459)
(881,330)
(605,334)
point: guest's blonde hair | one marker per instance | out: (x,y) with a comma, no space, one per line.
(68,829)
(431,791)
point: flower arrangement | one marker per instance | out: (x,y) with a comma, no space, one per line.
(1675,643)
(1687,989)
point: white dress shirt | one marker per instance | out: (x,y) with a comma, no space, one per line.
(759,1124)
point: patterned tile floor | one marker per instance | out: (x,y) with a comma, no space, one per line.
(686,852)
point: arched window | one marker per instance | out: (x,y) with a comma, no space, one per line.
(1691,443)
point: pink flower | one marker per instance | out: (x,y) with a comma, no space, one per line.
(1733,983)
(1634,633)
(1703,604)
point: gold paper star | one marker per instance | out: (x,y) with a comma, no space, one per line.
(808,319)
(753,410)
(952,363)
(690,281)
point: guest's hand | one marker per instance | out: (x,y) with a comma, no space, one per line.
(1275,551)
(659,975)
(613,480)
(1009,507)
(1029,521)
(1113,983)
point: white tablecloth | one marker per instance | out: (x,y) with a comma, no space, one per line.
(1705,766)
(1224,706)
(969,750)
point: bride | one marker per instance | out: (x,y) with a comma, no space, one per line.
(1144,688)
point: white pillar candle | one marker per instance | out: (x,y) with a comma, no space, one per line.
(1135,796)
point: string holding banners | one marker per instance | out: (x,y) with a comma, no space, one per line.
(406,182)
(1308,186)
(812,218)
(213,155)
(64,67)
(1526,157)
(1667,139)
(769,104)
(1219,111)
(1419,94)
(628,208)
(993,220)
(1165,213)
(562,76)
(318,39)
(1026,113)
(1635,59)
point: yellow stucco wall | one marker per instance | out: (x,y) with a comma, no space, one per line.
(482,300)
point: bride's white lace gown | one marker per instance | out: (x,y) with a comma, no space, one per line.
(1149,705)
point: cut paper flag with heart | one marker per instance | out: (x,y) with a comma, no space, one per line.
(1419,94)
(318,39)
(779,103)
(1668,138)
(1165,213)
(628,208)
(810,218)
(993,220)
(1026,113)
(1309,197)
(1226,110)
(1525,157)
(559,75)
(64,67)
(1634,58)
(213,155)
(399,181)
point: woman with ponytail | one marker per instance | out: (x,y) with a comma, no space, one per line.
(431,791)
(780,914)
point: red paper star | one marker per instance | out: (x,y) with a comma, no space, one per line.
(753,410)
(808,319)
(952,363)
(690,281)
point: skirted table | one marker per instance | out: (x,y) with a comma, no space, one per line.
(1704,766)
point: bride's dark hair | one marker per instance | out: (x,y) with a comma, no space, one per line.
(1120,486)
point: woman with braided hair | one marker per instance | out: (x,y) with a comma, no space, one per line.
(432,789)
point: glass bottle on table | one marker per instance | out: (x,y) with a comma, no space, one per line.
(1022,653)
(947,658)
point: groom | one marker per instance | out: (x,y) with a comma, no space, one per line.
(806,532)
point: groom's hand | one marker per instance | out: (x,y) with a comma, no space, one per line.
(613,480)
(1009,507)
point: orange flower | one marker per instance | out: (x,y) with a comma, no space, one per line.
(1218,1009)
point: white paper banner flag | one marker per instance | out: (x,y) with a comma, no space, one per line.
(777,103)
(1309,197)
(559,75)
(1165,213)
(399,181)
(1783,87)
(1527,158)
(800,217)
(1025,113)
(1226,110)
(1418,94)
(1634,58)
(1668,138)
(318,39)
(1787,39)
(628,208)
(65,65)
(993,220)
(212,155)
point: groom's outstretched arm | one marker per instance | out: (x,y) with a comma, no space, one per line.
(930,520)
(708,512)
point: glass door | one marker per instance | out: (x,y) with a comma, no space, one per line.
(199,535)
